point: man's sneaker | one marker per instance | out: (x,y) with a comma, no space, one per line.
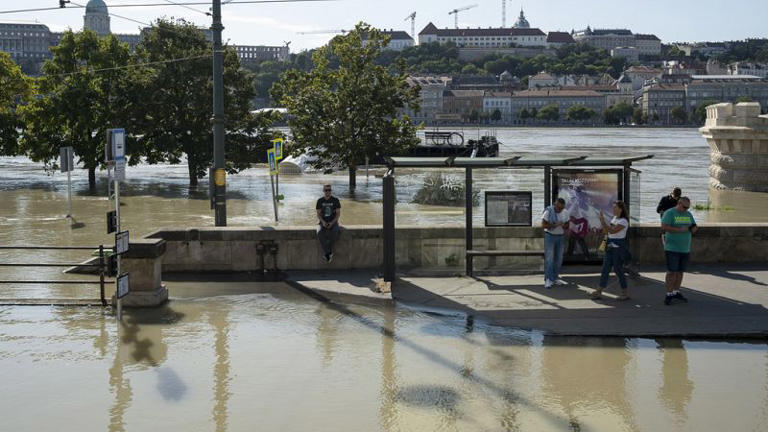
(678,295)
(668,300)
(560,282)
(327,258)
(547,283)
(330,257)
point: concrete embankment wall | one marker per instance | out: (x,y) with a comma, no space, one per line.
(360,247)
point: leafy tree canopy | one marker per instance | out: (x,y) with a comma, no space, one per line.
(15,89)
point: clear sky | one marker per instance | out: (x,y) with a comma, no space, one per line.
(273,24)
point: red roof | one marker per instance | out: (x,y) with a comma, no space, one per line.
(560,37)
(430,29)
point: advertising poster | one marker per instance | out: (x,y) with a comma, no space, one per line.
(587,193)
(278,146)
(272,161)
(508,208)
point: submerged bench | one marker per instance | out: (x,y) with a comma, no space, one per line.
(499,252)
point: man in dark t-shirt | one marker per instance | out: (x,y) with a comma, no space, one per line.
(328,210)
(666,203)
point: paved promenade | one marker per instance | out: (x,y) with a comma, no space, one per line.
(724,301)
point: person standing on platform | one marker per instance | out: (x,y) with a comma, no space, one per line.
(678,224)
(328,210)
(615,249)
(554,220)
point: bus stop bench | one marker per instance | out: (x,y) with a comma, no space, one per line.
(497,252)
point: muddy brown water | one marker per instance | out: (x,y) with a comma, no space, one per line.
(239,357)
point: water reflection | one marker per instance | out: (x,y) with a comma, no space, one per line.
(220,323)
(677,388)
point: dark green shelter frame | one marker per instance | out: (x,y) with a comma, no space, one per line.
(482,163)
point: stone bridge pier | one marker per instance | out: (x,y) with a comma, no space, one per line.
(737,136)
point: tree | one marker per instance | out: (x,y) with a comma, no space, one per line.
(678,114)
(549,112)
(471,69)
(533,112)
(700,113)
(83,93)
(174,119)
(524,114)
(342,115)
(579,113)
(15,90)
(473,116)
(619,113)
(496,115)
(637,116)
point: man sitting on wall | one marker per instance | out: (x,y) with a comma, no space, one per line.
(328,210)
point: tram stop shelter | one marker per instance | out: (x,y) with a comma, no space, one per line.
(622,166)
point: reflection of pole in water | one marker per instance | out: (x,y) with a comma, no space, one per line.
(119,386)
(676,388)
(388,409)
(221,369)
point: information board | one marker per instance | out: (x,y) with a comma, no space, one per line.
(123,286)
(121,242)
(278,146)
(508,208)
(272,161)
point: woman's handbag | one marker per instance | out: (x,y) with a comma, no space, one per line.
(601,248)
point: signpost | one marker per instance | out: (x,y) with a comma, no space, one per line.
(115,156)
(67,163)
(272,172)
(277,146)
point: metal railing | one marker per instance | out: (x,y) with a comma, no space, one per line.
(101,267)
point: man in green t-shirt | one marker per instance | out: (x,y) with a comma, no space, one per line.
(678,225)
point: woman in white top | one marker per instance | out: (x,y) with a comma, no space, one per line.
(616,244)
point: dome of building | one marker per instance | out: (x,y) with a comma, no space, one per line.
(521,21)
(96,7)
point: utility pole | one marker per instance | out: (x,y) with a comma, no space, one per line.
(220,175)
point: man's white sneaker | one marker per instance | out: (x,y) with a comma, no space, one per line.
(561,282)
(547,283)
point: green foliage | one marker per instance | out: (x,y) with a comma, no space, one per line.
(619,113)
(549,112)
(678,114)
(524,114)
(638,117)
(444,190)
(174,116)
(77,103)
(579,113)
(341,115)
(496,115)
(700,113)
(747,50)
(15,89)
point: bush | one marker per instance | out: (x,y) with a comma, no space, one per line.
(443,190)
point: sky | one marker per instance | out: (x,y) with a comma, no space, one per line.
(277,24)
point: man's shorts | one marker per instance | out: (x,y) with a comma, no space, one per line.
(676,261)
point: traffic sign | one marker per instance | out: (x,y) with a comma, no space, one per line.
(121,242)
(123,286)
(111,221)
(115,148)
(278,146)
(119,170)
(66,159)
(272,161)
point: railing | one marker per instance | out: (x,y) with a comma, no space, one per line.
(101,266)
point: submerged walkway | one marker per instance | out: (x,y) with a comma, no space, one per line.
(724,301)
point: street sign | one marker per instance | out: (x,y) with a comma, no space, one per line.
(272,161)
(66,159)
(121,242)
(111,221)
(115,148)
(123,286)
(278,146)
(119,170)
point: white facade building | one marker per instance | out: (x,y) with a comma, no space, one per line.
(498,101)
(484,38)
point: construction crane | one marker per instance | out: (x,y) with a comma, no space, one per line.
(323,32)
(456,11)
(503,13)
(412,17)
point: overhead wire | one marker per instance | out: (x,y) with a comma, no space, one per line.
(198,3)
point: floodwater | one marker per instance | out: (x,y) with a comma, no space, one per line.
(275,359)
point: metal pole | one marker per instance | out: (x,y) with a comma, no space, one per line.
(547,186)
(388,183)
(468,213)
(625,190)
(274,197)
(117,216)
(101,275)
(218,116)
(69,191)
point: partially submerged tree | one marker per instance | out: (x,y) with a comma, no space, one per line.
(175,118)
(81,94)
(15,89)
(343,115)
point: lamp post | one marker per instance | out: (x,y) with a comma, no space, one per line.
(220,178)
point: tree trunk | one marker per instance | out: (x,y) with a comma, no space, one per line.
(92,179)
(192,175)
(352,177)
